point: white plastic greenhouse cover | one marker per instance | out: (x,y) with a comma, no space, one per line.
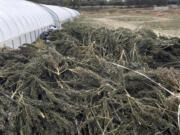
(23,22)
(63,14)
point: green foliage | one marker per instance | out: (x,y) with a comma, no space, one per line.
(77,3)
(147,2)
(178,2)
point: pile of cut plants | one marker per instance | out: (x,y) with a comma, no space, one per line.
(91,81)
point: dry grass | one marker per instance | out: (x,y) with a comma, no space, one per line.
(163,22)
(170,76)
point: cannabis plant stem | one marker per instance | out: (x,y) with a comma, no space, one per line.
(153,82)
(121,66)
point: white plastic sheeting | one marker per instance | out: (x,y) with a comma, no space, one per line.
(73,13)
(64,14)
(23,22)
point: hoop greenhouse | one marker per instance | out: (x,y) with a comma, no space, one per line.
(22,21)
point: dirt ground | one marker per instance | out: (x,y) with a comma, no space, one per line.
(164,22)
